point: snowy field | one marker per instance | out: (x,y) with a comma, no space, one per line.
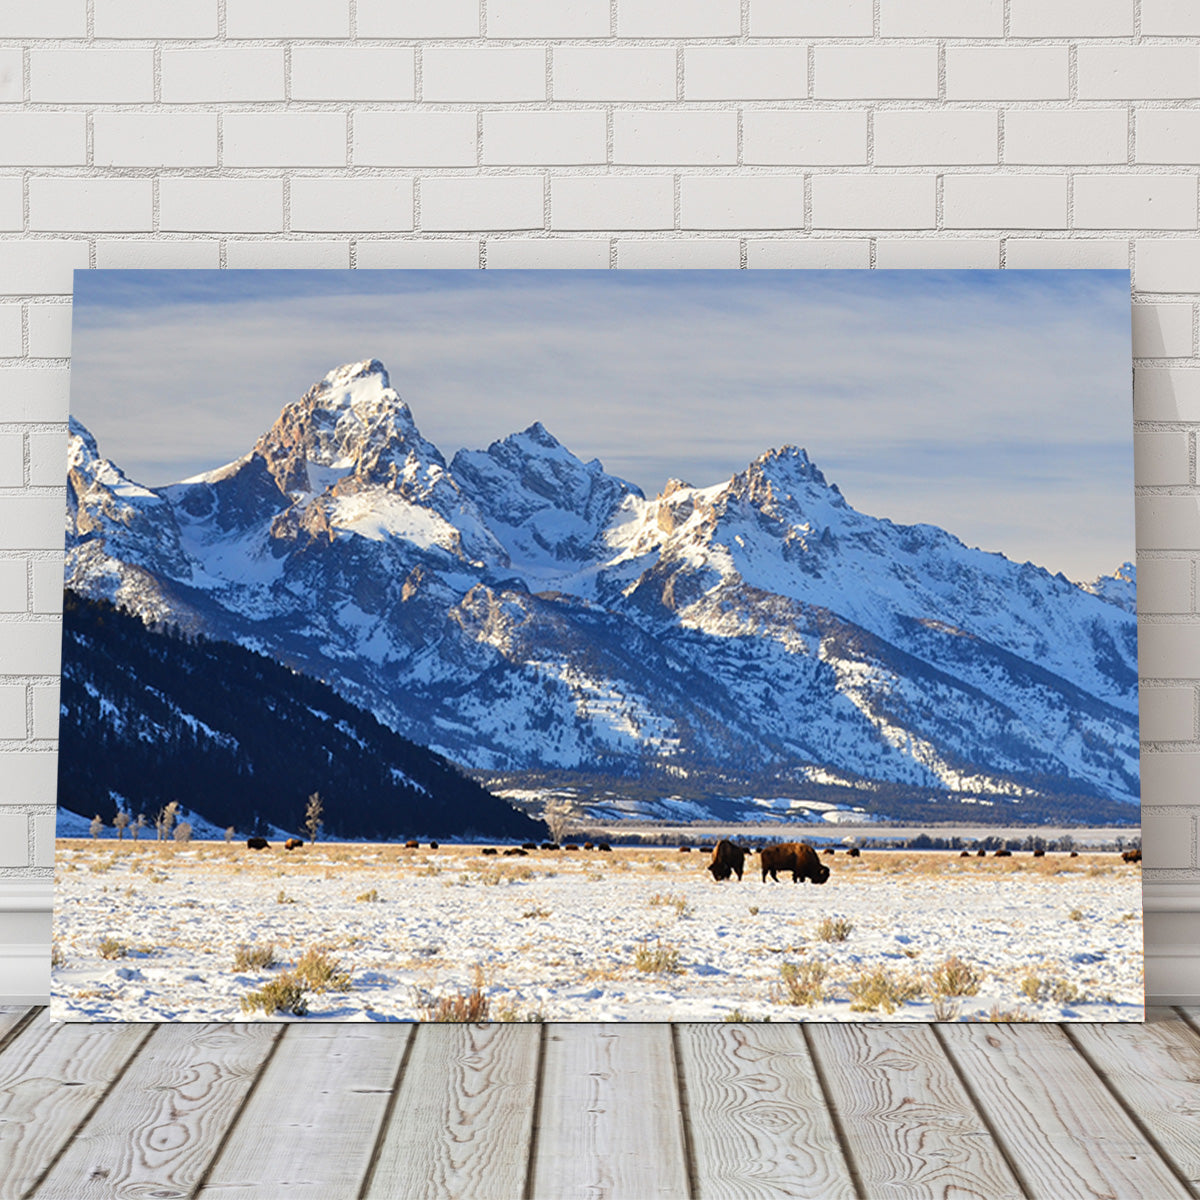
(152,931)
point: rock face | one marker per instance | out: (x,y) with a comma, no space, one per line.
(519,608)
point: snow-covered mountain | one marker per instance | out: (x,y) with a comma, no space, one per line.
(518,608)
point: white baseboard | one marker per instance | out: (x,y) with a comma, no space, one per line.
(24,973)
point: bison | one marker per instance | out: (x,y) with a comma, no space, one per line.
(727,859)
(488,850)
(549,845)
(257,843)
(798,857)
(604,846)
(433,845)
(854,852)
(412,845)
(964,854)
(1003,854)
(1039,853)
(515,852)
(530,846)
(1131,856)
(293,843)
(829,850)
(981,853)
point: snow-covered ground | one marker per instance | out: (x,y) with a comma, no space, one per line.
(568,936)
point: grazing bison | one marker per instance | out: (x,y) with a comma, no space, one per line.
(685,849)
(1073,854)
(570,846)
(854,852)
(433,845)
(830,850)
(488,850)
(530,846)
(589,845)
(516,852)
(257,843)
(549,845)
(604,846)
(293,843)
(798,857)
(727,859)
(1003,854)
(981,854)
(964,854)
(1039,853)
(1131,856)
(412,845)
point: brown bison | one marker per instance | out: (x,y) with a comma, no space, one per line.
(257,843)
(854,852)
(1039,853)
(1003,854)
(981,854)
(798,857)
(964,854)
(1131,856)
(727,859)
(604,846)
(488,850)
(433,845)
(412,845)
(293,843)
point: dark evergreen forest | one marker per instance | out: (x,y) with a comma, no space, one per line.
(157,715)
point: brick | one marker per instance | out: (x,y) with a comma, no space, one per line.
(12,76)
(12,460)
(1167,266)
(786,137)
(418,18)
(220,205)
(951,136)
(12,713)
(30,777)
(311,139)
(1167,135)
(1164,585)
(482,202)
(10,331)
(745,73)
(155,19)
(31,523)
(659,254)
(1074,253)
(287,18)
(1166,394)
(674,136)
(1072,18)
(29,394)
(1168,841)
(811,18)
(1135,201)
(1052,137)
(1138,72)
(11,204)
(46,704)
(441,254)
(351,205)
(287,256)
(170,139)
(605,202)
(222,75)
(30,647)
(43,267)
(91,76)
(48,584)
(1161,458)
(575,254)
(925,254)
(1170,18)
(545,138)
(613,73)
(46,19)
(43,139)
(486,74)
(13,585)
(698,18)
(14,840)
(138,253)
(919,18)
(353,73)
(112,205)
(1167,714)
(1168,523)
(1169,651)
(547,18)
(415,139)
(49,330)
(875,72)
(48,459)
(1162,330)
(742,202)
(1006,73)
(873,201)
(1004,202)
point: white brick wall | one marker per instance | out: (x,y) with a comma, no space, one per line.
(587,134)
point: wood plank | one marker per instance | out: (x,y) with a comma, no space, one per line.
(610,1124)
(909,1125)
(11,1020)
(1155,1070)
(310,1127)
(158,1129)
(1062,1130)
(757,1117)
(463,1115)
(51,1076)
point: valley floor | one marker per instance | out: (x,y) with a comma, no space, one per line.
(151,932)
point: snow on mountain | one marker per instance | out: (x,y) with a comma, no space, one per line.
(520,608)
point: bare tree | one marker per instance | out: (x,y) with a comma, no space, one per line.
(166,819)
(230,832)
(183,832)
(96,825)
(120,822)
(137,826)
(558,815)
(312,816)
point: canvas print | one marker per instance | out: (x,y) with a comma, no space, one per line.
(590,646)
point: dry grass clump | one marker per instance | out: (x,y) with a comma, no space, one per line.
(283,898)
(1054,988)
(536,914)
(954,978)
(469,1006)
(879,988)
(835,929)
(1004,1016)
(678,903)
(110,947)
(257,957)
(284,994)
(803,982)
(369,897)
(57,957)
(318,972)
(658,959)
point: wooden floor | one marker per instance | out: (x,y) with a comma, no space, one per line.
(339,1112)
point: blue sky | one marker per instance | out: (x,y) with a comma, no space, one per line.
(995,404)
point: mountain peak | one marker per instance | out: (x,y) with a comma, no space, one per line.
(350,372)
